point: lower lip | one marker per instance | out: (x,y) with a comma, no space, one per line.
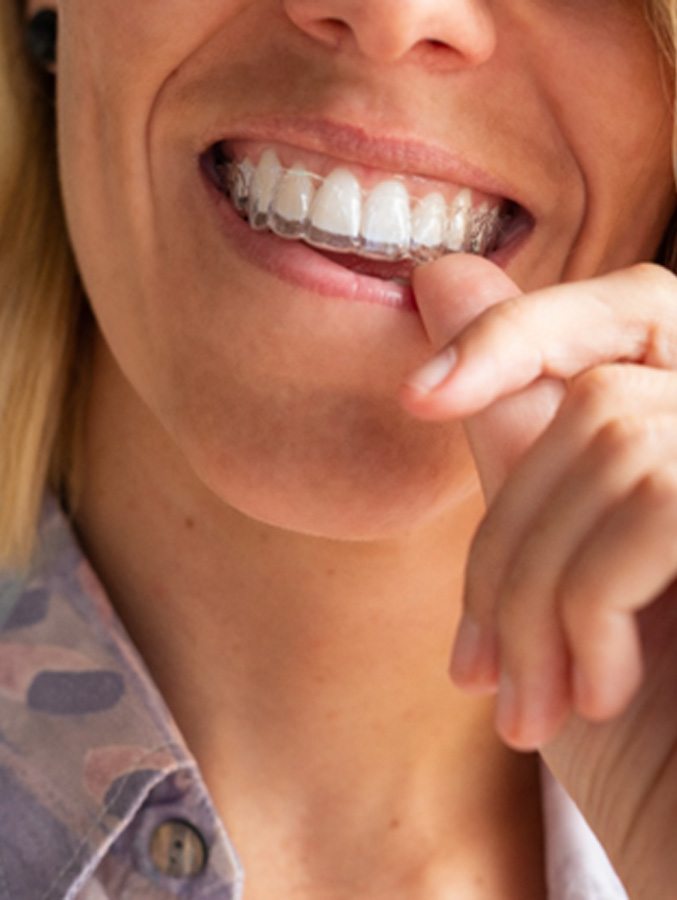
(298,264)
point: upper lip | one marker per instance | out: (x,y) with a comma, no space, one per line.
(355,143)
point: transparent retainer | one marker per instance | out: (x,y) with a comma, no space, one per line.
(480,228)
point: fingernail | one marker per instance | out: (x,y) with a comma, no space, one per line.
(435,372)
(524,718)
(474,653)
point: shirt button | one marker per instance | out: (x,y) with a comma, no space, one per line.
(177,849)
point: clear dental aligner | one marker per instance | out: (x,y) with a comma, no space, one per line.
(336,213)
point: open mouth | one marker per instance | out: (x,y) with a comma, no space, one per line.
(371,222)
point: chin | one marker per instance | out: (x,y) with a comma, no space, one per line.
(369,517)
(343,492)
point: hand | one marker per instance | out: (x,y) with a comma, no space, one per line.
(570,405)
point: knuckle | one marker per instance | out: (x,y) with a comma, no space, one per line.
(620,441)
(656,287)
(657,490)
(648,275)
(592,392)
(510,309)
(507,316)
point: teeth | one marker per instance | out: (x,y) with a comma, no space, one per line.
(386,226)
(267,174)
(458,226)
(291,202)
(239,181)
(428,224)
(335,212)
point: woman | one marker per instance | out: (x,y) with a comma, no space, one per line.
(215,393)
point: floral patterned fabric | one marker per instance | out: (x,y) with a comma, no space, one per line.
(92,763)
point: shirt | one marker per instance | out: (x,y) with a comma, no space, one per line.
(100,796)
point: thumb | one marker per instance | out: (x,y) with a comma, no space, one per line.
(450,293)
(454,290)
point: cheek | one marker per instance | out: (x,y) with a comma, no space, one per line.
(620,124)
(629,203)
(602,85)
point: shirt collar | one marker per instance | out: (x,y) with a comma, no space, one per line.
(85,736)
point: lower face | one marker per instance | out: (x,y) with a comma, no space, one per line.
(273,367)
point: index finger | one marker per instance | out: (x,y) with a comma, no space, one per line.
(557,332)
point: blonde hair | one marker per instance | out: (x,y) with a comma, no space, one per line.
(46,325)
(44,319)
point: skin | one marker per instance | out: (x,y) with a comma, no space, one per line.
(570,586)
(263,430)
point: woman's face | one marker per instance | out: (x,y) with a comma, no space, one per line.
(272,369)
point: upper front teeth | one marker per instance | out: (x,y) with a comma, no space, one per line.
(336,213)
(386,219)
(290,207)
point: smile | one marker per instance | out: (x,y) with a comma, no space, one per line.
(349,209)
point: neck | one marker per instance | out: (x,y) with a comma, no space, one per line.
(271,647)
